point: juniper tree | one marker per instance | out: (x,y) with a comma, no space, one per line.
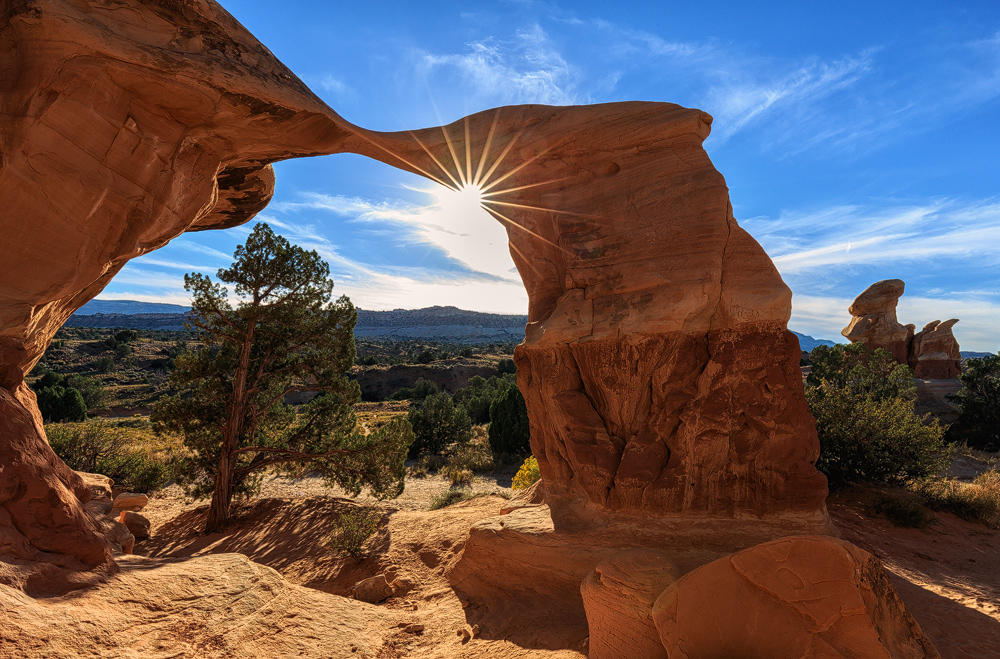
(282,335)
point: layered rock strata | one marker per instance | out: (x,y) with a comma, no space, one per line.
(933,353)
(660,378)
(873,320)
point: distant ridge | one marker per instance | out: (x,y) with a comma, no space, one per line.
(429,324)
(807,343)
(128,307)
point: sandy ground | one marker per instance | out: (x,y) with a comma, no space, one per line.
(948,575)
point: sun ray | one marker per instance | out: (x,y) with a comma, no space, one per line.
(454,156)
(524,187)
(539,208)
(526,260)
(468,155)
(457,185)
(503,154)
(524,164)
(486,149)
(404,160)
(503,218)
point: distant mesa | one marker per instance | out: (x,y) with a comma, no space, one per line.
(933,353)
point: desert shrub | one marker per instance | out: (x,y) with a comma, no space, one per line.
(506,366)
(527,475)
(353,528)
(477,396)
(902,508)
(868,431)
(509,432)
(459,476)
(419,391)
(59,403)
(104,364)
(450,497)
(978,501)
(425,357)
(126,336)
(436,423)
(416,471)
(475,456)
(100,448)
(979,400)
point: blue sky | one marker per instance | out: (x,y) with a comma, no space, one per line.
(860,141)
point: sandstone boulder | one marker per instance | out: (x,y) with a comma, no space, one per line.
(873,320)
(618,597)
(934,353)
(130,501)
(373,590)
(136,524)
(806,596)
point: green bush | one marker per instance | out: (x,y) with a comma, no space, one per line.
(509,434)
(477,396)
(353,528)
(978,501)
(59,403)
(868,430)
(979,400)
(438,422)
(99,448)
(506,366)
(419,391)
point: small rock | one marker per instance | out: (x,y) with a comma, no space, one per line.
(99,506)
(413,629)
(475,631)
(130,501)
(136,524)
(98,484)
(372,590)
(465,634)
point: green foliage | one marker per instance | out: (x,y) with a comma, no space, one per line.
(58,403)
(436,423)
(527,475)
(99,448)
(874,374)
(474,456)
(353,528)
(425,357)
(420,390)
(868,430)
(126,336)
(509,433)
(104,364)
(979,400)
(902,508)
(477,396)
(450,497)
(459,476)
(506,366)
(283,336)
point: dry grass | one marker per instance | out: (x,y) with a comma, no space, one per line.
(978,501)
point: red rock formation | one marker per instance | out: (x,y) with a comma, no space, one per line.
(793,597)
(125,124)
(873,319)
(934,353)
(658,372)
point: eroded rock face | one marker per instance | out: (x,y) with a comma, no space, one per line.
(873,320)
(659,375)
(934,352)
(125,124)
(793,597)
(658,371)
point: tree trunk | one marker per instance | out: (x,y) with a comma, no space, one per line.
(222,495)
(218,511)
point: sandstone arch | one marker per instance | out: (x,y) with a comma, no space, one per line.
(660,377)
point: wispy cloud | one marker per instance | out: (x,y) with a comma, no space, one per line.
(527,69)
(852,235)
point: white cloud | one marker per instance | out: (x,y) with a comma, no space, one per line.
(528,70)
